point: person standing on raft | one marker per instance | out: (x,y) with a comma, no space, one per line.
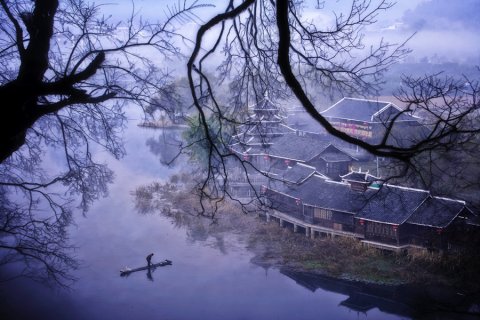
(149,259)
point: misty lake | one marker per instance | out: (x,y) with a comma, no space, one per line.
(203,282)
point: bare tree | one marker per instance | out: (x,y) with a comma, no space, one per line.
(66,73)
(270,46)
(448,161)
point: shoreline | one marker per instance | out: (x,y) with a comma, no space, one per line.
(340,260)
(155,125)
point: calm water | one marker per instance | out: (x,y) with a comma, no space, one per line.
(203,282)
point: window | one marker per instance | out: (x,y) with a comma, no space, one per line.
(333,168)
(308,211)
(323,214)
(337,226)
(381,229)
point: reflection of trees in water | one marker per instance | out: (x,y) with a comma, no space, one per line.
(169,199)
(198,229)
(167,146)
(273,247)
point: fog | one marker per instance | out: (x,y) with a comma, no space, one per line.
(443,30)
(207,280)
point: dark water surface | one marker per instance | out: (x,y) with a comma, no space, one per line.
(203,282)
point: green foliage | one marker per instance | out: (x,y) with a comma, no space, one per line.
(207,141)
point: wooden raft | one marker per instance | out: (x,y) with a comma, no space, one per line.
(126,271)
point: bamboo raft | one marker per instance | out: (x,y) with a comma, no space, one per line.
(126,271)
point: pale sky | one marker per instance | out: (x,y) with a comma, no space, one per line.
(445,29)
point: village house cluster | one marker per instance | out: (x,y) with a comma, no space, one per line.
(315,183)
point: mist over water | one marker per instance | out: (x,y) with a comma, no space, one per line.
(203,282)
(207,281)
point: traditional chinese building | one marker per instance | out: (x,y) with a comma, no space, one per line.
(265,122)
(367,119)
(307,181)
(385,216)
(269,144)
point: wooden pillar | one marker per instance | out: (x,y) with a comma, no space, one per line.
(268,217)
(295,228)
(312,233)
(281,223)
(307,231)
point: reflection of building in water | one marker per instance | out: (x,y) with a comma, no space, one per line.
(402,300)
(361,297)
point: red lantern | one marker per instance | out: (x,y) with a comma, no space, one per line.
(439,230)
(245,157)
(298,201)
(362,222)
(266,157)
(395,227)
(287,162)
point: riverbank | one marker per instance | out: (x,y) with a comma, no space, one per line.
(162,125)
(341,258)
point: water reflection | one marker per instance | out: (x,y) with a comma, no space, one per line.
(165,199)
(149,274)
(167,146)
(361,297)
(212,277)
(425,302)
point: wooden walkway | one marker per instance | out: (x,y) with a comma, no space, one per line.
(385,246)
(310,229)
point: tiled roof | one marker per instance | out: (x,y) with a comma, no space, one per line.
(436,212)
(266,129)
(299,148)
(260,135)
(355,109)
(290,146)
(317,191)
(304,122)
(390,113)
(404,135)
(359,176)
(335,157)
(305,148)
(298,173)
(365,110)
(391,204)
(251,150)
(334,154)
